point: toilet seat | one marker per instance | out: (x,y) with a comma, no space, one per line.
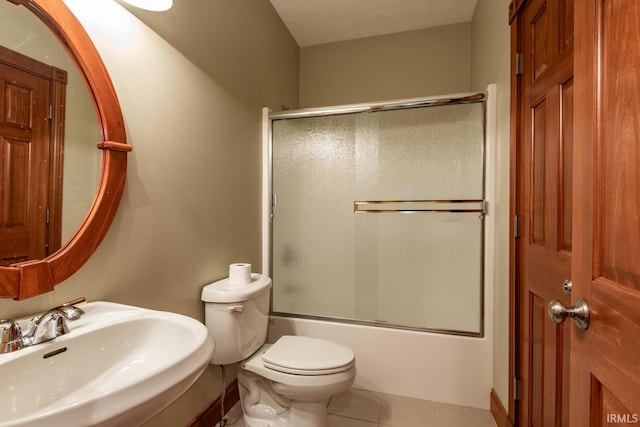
(298,385)
(300,355)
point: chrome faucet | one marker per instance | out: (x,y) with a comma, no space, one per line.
(45,327)
(50,325)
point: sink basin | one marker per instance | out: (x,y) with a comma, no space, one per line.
(119,365)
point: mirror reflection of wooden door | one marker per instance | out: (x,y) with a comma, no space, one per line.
(605,375)
(26,161)
(543,204)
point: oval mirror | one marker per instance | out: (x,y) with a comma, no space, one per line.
(34,62)
(37,177)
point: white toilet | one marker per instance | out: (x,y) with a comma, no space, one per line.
(285,384)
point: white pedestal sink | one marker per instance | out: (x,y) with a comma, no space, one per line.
(118,366)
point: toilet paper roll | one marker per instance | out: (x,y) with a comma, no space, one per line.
(239,274)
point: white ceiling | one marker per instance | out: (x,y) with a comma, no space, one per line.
(314,22)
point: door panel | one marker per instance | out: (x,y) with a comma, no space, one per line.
(539,41)
(605,373)
(619,198)
(546,397)
(565,204)
(544,189)
(537,215)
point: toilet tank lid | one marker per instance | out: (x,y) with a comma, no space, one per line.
(223,292)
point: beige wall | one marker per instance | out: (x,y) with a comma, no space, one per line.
(427,62)
(490,43)
(192,200)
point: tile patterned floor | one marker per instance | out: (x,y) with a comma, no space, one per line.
(360,408)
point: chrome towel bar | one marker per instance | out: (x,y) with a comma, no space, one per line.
(410,206)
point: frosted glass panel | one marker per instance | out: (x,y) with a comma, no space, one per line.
(336,256)
(420,153)
(419,269)
(312,253)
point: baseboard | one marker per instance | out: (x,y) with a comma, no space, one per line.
(499,413)
(210,416)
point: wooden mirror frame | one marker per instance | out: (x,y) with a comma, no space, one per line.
(31,278)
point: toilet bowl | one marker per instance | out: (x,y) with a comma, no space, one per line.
(302,380)
(285,384)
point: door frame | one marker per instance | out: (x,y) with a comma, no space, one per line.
(515,92)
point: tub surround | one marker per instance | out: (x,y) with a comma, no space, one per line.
(441,368)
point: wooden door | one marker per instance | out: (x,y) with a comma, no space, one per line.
(544,34)
(24,165)
(605,375)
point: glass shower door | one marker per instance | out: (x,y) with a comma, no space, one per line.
(379,217)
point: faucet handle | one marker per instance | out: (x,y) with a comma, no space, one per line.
(77,301)
(68,309)
(10,336)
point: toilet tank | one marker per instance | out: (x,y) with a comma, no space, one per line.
(236,317)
